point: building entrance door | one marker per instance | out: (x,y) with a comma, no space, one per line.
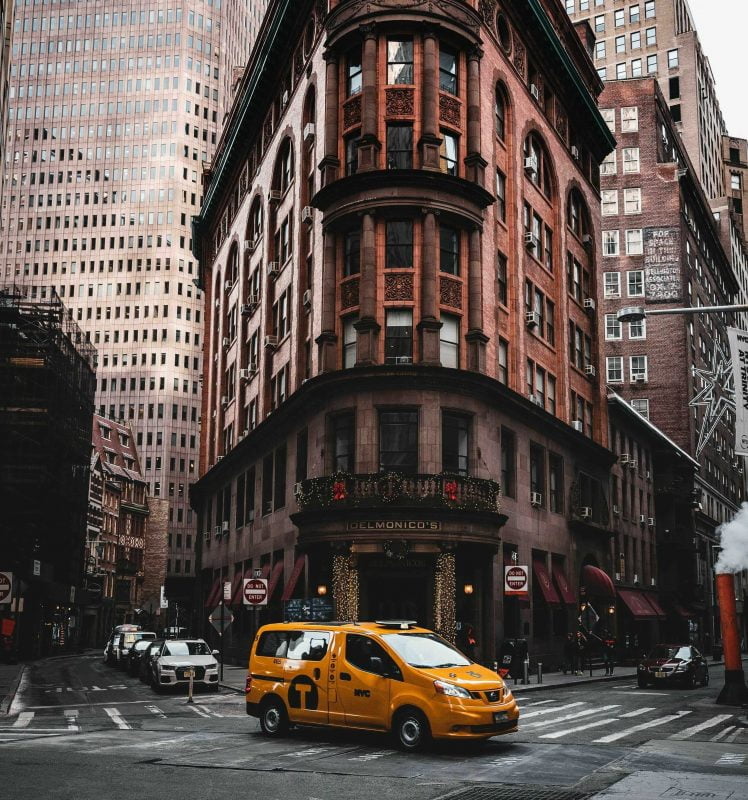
(397,591)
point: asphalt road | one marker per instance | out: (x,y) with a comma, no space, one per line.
(79,729)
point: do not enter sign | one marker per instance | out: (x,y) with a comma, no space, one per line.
(6,587)
(516,580)
(255,592)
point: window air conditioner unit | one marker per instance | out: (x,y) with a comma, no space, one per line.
(218,302)
(616,512)
(653,581)
(532,319)
(648,475)
(214,413)
(589,370)
(252,367)
(632,463)
(534,91)
(247,309)
(639,379)
(651,522)
(226,341)
(531,243)
(228,286)
(585,512)
(219,458)
(536,499)
(224,400)
(206,536)
(274,195)
(575,152)
(225,526)
(617,576)
(245,374)
(531,164)
(253,300)
(271,342)
(217,530)
(636,578)
(642,519)
(586,239)
(307,298)
(308,131)
(273,268)
(307,214)
(623,458)
(535,399)
(589,303)
(249,245)
(578,425)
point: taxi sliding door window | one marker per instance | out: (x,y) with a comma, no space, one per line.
(360,651)
(298,645)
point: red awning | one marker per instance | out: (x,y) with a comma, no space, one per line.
(274,579)
(683,612)
(543,581)
(562,584)
(597,582)
(298,568)
(655,603)
(214,595)
(637,604)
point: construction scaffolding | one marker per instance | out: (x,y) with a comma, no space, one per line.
(47,386)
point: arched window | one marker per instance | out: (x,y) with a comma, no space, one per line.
(310,106)
(255,221)
(500,111)
(538,164)
(577,214)
(232,267)
(283,172)
(216,313)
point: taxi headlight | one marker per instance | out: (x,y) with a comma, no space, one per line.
(450,690)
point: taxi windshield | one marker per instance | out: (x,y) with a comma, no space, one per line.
(425,650)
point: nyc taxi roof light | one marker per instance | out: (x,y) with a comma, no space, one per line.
(450,690)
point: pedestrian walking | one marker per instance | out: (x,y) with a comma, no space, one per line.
(580,645)
(569,648)
(609,651)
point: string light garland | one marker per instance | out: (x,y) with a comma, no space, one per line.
(345,586)
(444,596)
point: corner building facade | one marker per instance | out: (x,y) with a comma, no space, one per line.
(397,244)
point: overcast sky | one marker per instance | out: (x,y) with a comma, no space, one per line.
(722,27)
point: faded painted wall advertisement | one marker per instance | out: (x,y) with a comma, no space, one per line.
(662,264)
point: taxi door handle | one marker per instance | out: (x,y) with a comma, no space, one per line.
(344,676)
(316,674)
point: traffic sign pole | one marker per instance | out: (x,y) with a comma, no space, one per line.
(223,606)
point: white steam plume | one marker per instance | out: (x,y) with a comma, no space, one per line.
(734,543)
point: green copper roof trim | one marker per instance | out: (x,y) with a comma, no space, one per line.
(237,123)
(572,72)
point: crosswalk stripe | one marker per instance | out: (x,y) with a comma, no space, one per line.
(114,714)
(71,715)
(24,719)
(551,710)
(733,736)
(586,713)
(157,711)
(198,711)
(730,760)
(702,726)
(722,734)
(210,711)
(538,702)
(636,712)
(654,723)
(566,731)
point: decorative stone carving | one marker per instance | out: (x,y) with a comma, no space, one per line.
(456,11)
(561,124)
(449,109)
(399,103)
(519,57)
(398,286)
(349,293)
(352,112)
(320,13)
(487,9)
(450,292)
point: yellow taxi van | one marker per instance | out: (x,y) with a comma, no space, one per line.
(382,676)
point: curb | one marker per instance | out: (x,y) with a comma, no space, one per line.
(232,688)
(539,687)
(10,697)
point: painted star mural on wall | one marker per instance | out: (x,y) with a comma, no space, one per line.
(717,395)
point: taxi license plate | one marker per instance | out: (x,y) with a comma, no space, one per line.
(500,716)
(660,674)
(189,673)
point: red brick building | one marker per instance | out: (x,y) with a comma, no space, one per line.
(398,244)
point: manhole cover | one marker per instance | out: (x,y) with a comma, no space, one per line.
(515,793)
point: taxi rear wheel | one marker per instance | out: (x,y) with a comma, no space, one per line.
(411,729)
(273,717)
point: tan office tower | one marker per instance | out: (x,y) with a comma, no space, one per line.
(113,112)
(658,38)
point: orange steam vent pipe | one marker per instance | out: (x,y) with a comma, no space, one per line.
(734,691)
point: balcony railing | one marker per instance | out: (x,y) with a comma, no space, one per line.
(386,490)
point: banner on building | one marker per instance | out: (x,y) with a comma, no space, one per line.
(739,355)
(516,580)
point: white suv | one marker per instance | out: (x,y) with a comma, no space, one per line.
(176,657)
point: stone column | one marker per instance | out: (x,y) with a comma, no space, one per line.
(475,337)
(369,144)
(330,164)
(327,340)
(429,324)
(474,162)
(430,140)
(367,326)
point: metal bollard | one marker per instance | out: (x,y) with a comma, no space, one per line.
(526,671)
(540,671)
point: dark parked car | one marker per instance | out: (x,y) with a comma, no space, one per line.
(144,664)
(137,649)
(670,663)
(111,655)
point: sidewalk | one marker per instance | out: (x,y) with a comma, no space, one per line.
(10,677)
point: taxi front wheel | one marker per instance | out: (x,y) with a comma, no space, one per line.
(411,729)
(273,717)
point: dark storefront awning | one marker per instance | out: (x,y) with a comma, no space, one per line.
(597,582)
(274,579)
(686,613)
(637,604)
(543,581)
(562,584)
(214,595)
(656,607)
(298,568)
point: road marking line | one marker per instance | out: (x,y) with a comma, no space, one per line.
(614,737)
(730,760)
(539,702)
(71,715)
(58,706)
(722,734)
(24,719)
(117,719)
(654,694)
(597,724)
(209,711)
(636,713)
(551,710)
(372,756)
(732,737)
(586,713)
(198,711)
(157,711)
(702,726)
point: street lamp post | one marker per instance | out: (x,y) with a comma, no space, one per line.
(638,313)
